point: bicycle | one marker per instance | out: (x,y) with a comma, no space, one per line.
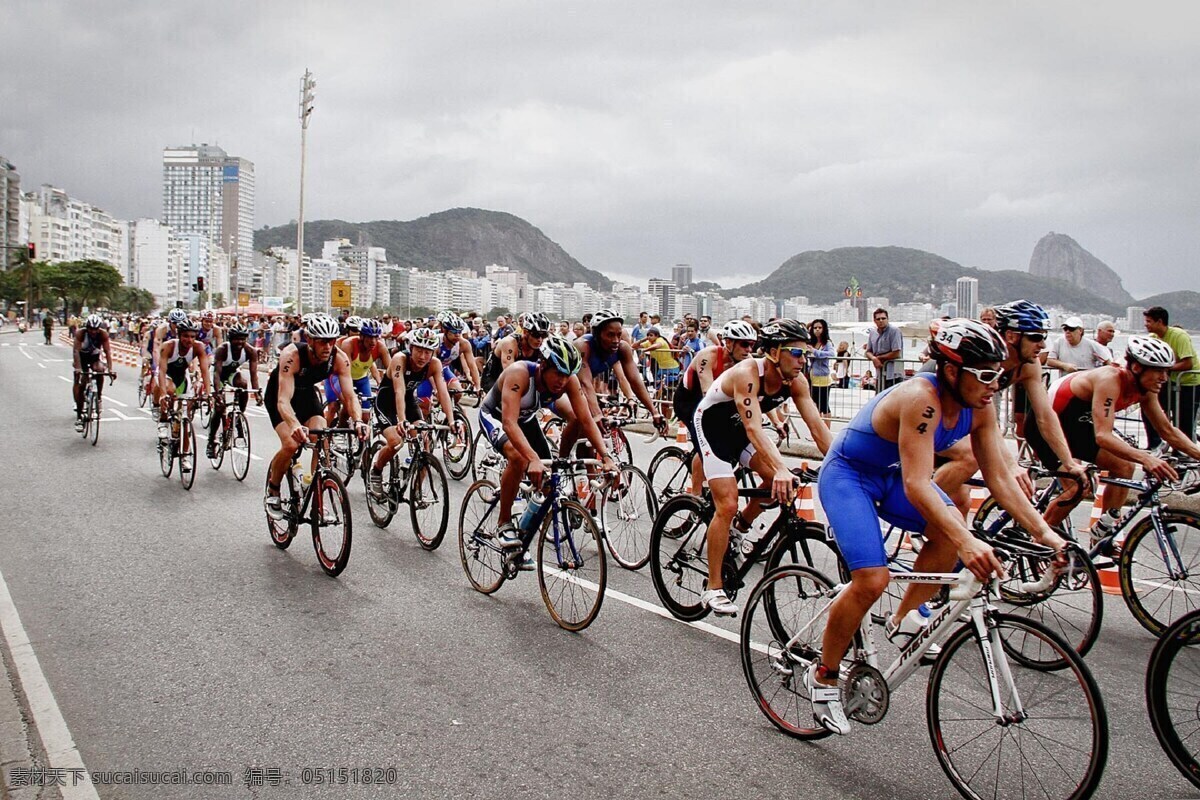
(1172,699)
(458,449)
(624,507)
(91,404)
(233,434)
(418,480)
(1007,701)
(181,444)
(322,501)
(679,549)
(571,567)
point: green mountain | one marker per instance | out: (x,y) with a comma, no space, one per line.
(468,238)
(1182,306)
(904,275)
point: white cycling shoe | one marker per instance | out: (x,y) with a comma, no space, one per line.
(826,703)
(716,601)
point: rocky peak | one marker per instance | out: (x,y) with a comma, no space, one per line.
(1060,257)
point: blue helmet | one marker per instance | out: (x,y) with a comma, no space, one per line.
(371,328)
(1022,316)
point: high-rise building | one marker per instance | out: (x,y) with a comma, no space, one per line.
(10,213)
(155,261)
(64,228)
(211,193)
(664,290)
(966,291)
(681,276)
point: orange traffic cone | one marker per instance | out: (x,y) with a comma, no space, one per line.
(681,434)
(806,508)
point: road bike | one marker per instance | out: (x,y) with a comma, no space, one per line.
(679,548)
(233,434)
(180,445)
(571,567)
(1010,707)
(458,447)
(623,505)
(1173,694)
(320,500)
(91,404)
(418,479)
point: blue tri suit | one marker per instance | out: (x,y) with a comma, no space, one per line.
(860,482)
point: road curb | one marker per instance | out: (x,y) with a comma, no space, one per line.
(19,742)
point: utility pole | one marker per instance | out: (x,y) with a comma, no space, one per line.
(307,84)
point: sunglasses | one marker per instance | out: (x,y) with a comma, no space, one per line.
(1035,337)
(797,352)
(984,375)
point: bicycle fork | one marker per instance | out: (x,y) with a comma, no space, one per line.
(1168,548)
(998,670)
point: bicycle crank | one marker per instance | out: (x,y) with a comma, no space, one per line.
(866,694)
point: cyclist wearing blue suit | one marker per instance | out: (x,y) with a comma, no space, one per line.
(882,466)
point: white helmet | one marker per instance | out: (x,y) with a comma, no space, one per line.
(1153,353)
(94,321)
(177,316)
(323,326)
(424,337)
(739,330)
(451,322)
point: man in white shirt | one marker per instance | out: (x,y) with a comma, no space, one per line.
(1105,333)
(1074,350)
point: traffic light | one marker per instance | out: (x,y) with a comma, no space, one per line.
(32,251)
(199,284)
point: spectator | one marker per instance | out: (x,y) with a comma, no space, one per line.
(868,379)
(481,341)
(692,343)
(1105,333)
(707,332)
(1075,350)
(841,366)
(819,369)
(988,316)
(579,329)
(1178,395)
(883,349)
(643,325)
(666,364)
(503,328)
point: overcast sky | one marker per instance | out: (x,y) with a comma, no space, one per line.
(642,134)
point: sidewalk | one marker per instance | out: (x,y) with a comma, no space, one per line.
(20,749)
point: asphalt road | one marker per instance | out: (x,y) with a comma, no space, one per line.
(174,634)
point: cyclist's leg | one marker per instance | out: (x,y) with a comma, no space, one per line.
(81,376)
(332,390)
(1114,496)
(1081,441)
(363,387)
(218,409)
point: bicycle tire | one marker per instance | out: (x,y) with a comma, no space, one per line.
(166,456)
(92,430)
(786,601)
(620,446)
(85,415)
(187,453)
(679,555)
(428,496)
(482,560)
(381,509)
(239,446)
(283,531)
(1177,649)
(572,570)
(626,515)
(141,390)
(486,463)
(669,472)
(1145,583)
(806,545)
(333,549)
(990,517)
(216,460)
(1073,608)
(458,466)
(967,760)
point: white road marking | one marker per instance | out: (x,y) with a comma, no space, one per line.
(61,752)
(61,378)
(40,364)
(115,400)
(26,354)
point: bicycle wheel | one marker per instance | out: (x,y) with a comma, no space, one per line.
(1155,598)
(1053,739)
(92,426)
(284,530)
(571,568)
(806,545)
(669,472)
(142,390)
(626,515)
(457,452)
(486,463)
(239,445)
(789,602)
(428,500)
(221,439)
(1172,696)
(187,453)
(382,507)
(202,413)
(166,456)
(618,444)
(482,559)
(990,517)
(679,555)
(332,528)
(1073,607)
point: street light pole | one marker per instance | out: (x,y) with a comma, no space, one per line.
(307,84)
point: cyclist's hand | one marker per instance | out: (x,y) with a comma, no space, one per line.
(609,465)
(781,486)
(1085,478)
(979,557)
(660,424)
(1160,469)
(362,430)
(258,398)
(536,472)
(299,434)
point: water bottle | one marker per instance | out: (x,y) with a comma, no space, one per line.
(531,510)
(298,473)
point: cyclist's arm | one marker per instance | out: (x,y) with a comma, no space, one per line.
(987,444)
(252,363)
(289,362)
(506,351)
(108,359)
(1153,412)
(381,354)
(515,383)
(162,368)
(628,364)
(396,374)
(1105,391)
(578,402)
(466,357)
(75,349)
(802,398)
(205,369)
(587,381)
(918,415)
(1043,411)
(341,368)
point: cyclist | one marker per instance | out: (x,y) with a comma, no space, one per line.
(291,397)
(524,344)
(396,404)
(210,334)
(729,430)
(508,416)
(606,352)
(709,364)
(1086,404)
(363,347)
(879,466)
(155,338)
(91,341)
(228,360)
(455,351)
(175,359)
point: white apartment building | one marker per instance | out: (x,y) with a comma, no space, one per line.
(966,293)
(64,228)
(156,261)
(10,213)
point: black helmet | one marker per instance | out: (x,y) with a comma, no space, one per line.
(967,342)
(782,331)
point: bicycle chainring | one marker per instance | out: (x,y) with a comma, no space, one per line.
(865,694)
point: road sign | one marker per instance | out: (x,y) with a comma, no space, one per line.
(243,299)
(339,294)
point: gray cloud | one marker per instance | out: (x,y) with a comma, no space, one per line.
(639,135)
